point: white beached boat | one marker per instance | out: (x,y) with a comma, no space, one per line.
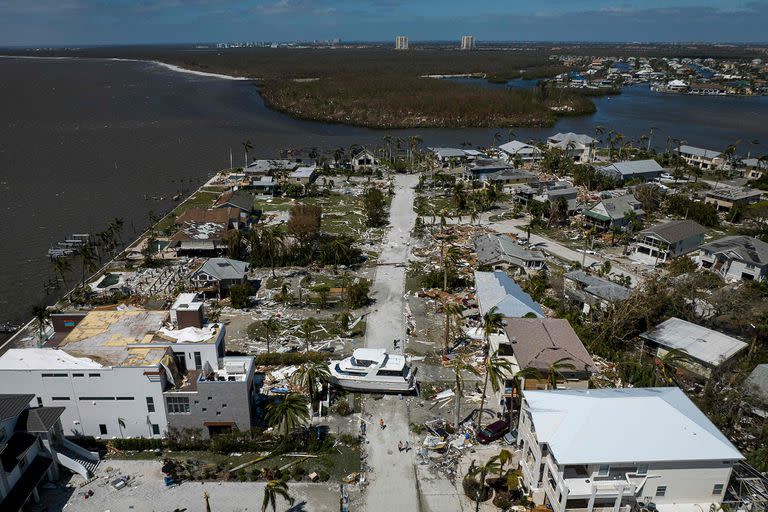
(374,370)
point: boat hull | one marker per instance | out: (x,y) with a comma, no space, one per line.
(367,386)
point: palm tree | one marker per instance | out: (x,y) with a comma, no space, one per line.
(458,366)
(666,367)
(288,413)
(273,241)
(308,376)
(452,311)
(121,425)
(62,266)
(307,327)
(754,142)
(650,136)
(495,370)
(556,369)
(491,322)
(87,260)
(516,379)
(272,490)
(449,258)
(247,147)
(41,314)
(273,326)
(491,466)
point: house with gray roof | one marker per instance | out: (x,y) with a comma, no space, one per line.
(497,290)
(725,198)
(500,250)
(704,350)
(701,158)
(218,275)
(445,157)
(668,240)
(32,447)
(573,145)
(270,167)
(615,212)
(508,177)
(303,175)
(736,258)
(516,150)
(629,170)
(591,291)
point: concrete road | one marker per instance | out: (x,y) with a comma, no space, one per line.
(393,485)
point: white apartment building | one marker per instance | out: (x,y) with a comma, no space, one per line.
(115,373)
(401,43)
(613,449)
(467,42)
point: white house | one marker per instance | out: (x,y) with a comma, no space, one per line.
(577,146)
(736,258)
(701,158)
(516,150)
(613,449)
(112,371)
(364,159)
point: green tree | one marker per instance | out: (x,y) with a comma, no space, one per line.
(496,368)
(273,490)
(458,366)
(287,413)
(452,312)
(238,295)
(357,293)
(88,261)
(308,326)
(556,368)
(42,314)
(62,266)
(374,207)
(308,376)
(480,473)
(272,326)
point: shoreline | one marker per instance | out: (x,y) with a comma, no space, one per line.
(165,65)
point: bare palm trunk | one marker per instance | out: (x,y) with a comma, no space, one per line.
(457,410)
(482,402)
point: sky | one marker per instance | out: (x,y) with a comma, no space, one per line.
(94,22)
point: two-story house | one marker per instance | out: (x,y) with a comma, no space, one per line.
(32,446)
(614,449)
(615,212)
(669,240)
(736,258)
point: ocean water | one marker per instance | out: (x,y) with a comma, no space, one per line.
(85,141)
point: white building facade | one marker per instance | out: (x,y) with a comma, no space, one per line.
(593,450)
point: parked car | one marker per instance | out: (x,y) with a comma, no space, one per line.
(492,432)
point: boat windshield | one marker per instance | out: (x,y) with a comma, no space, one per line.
(361,362)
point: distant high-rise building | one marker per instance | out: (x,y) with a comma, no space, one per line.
(401,43)
(467,42)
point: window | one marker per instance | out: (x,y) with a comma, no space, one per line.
(150,404)
(155,429)
(178,404)
(198,361)
(717,489)
(102,429)
(642,470)
(603,470)
(124,398)
(78,375)
(54,374)
(95,398)
(39,402)
(661,490)
(59,398)
(94,375)
(223,405)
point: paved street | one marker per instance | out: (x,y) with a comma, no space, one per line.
(393,484)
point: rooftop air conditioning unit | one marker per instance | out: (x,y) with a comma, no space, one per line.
(234,367)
